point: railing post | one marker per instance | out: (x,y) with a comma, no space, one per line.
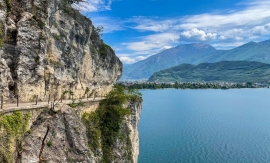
(49,100)
(2,102)
(36,99)
(17,100)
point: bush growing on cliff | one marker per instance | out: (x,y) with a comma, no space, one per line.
(9,5)
(105,123)
(91,122)
(104,48)
(2,34)
(13,128)
(66,7)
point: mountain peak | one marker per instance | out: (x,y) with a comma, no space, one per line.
(196,46)
(202,46)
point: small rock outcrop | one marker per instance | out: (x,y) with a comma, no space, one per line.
(51,48)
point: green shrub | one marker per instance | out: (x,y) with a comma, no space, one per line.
(91,121)
(56,36)
(2,34)
(104,49)
(105,123)
(39,21)
(15,124)
(75,104)
(49,143)
(13,128)
(9,5)
(55,63)
(86,91)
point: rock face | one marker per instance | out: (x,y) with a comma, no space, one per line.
(132,124)
(128,144)
(67,139)
(5,78)
(50,48)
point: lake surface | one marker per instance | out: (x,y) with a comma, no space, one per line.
(205,126)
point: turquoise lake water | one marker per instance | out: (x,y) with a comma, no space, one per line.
(205,126)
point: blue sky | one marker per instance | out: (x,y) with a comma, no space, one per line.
(137,29)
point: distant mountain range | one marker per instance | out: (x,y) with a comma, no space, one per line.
(194,54)
(251,51)
(188,53)
(224,71)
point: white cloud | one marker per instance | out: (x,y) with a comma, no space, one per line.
(151,24)
(154,27)
(250,21)
(162,37)
(154,41)
(130,60)
(256,12)
(127,60)
(141,58)
(108,23)
(195,35)
(140,46)
(93,5)
(261,30)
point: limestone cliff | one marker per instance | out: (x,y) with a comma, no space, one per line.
(50,48)
(126,147)
(68,136)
